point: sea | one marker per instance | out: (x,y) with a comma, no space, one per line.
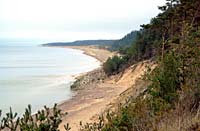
(36,75)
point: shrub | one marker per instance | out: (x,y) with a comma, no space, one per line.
(113,65)
(166,79)
(45,120)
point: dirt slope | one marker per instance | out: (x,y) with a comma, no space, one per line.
(90,102)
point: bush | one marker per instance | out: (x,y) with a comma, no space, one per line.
(45,120)
(166,79)
(113,65)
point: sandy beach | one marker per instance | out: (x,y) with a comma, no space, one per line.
(95,97)
(98,53)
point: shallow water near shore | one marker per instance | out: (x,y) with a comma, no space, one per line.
(39,75)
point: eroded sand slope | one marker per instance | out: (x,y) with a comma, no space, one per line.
(90,102)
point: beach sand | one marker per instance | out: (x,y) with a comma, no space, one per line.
(98,53)
(97,97)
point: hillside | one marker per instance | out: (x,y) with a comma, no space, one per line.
(171,101)
(94,94)
(153,85)
(125,42)
(82,43)
(113,45)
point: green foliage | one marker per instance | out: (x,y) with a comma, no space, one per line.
(96,126)
(124,43)
(44,120)
(173,37)
(134,116)
(99,43)
(1,122)
(166,79)
(113,65)
(10,121)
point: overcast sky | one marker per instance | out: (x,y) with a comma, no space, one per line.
(68,20)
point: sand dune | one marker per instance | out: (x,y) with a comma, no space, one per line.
(95,98)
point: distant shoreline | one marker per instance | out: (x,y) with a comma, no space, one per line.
(93,51)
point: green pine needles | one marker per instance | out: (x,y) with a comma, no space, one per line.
(44,120)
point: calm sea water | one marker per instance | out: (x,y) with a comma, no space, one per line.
(38,75)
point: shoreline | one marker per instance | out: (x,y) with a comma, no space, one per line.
(90,51)
(96,53)
(97,93)
(99,54)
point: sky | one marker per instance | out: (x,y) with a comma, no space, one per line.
(69,20)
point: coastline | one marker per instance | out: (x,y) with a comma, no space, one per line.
(97,93)
(101,55)
(93,51)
